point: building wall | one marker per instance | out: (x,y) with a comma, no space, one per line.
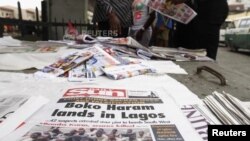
(12,12)
(6,13)
(246,3)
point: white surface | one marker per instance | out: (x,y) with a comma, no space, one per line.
(10,42)
(22,61)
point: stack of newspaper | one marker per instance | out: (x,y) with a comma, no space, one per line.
(228,109)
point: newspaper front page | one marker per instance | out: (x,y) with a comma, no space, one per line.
(105,114)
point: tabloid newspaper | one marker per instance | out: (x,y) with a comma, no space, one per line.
(9,104)
(16,109)
(107,114)
(180,12)
(200,118)
(228,109)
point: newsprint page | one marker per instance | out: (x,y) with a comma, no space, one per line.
(109,114)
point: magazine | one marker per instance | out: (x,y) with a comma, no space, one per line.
(16,109)
(180,12)
(120,51)
(65,64)
(126,71)
(82,74)
(91,113)
(94,64)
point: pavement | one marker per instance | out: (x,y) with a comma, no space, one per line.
(239,62)
(234,66)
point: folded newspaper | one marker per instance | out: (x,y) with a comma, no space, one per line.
(181,54)
(228,109)
(65,64)
(128,41)
(126,71)
(180,12)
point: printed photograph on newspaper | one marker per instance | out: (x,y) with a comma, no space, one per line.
(88,113)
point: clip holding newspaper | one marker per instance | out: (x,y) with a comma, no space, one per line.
(179,12)
(92,113)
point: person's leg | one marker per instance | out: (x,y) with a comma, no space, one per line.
(181,35)
(212,42)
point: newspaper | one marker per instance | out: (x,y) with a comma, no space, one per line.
(16,109)
(128,41)
(94,64)
(228,109)
(82,74)
(180,12)
(88,39)
(10,42)
(111,114)
(28,49)
(182,54)
(64,64)
(9,104)
(200,118)
(126,71)
(120,51)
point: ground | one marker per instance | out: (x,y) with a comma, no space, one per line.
(239,62)
(234,66)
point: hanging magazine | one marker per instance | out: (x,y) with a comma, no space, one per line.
(180,12)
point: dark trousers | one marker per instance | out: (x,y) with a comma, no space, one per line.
(198,34)
(104,27)
(203,31)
